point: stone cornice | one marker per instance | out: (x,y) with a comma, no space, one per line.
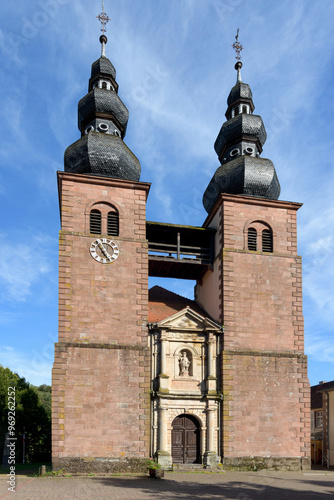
(250,200)
(103,181)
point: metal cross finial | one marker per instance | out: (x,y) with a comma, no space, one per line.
(237,46)
(104,19)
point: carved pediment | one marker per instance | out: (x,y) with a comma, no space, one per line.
(186,320)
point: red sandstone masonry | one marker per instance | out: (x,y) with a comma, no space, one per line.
(262,410)
(101,418)
(100,395)
(264,373)
(261,291)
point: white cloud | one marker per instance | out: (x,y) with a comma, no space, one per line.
(35,366)
(23,265)
(320,346)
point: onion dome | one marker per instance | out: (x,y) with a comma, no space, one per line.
(238,146)
(99,103)
(103,67)
(102,121)
(239,91)
(102,154)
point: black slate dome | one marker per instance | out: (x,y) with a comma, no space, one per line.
(245,176)
(240,90)
(104,102)
(103,155)
(241,125)
(103,67)
(102,121)
(238,146)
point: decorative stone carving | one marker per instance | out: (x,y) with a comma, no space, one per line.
(184,364)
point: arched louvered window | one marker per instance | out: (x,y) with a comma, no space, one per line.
(95,222)
(236,111)
(244,109)
(267,240)
(252,239)
(113,224)
(104,85)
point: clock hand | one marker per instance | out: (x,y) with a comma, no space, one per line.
(103,250)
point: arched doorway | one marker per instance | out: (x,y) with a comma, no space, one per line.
(185,440)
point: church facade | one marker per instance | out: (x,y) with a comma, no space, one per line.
(144,373)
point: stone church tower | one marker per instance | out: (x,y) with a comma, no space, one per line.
(138,373)
(255,291)
(101,378)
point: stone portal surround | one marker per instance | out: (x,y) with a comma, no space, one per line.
(165,411)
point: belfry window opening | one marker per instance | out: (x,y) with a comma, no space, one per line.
(252,239)
(113,224)
(95,222)
(267,240)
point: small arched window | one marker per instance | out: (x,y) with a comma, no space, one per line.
(236,111)
(267,240)
(244,109)
(113,224)
(252,239)
(104,85)
(95,222)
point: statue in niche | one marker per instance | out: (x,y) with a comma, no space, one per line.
(184,364)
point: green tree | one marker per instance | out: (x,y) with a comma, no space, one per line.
(44,394)
(33,416)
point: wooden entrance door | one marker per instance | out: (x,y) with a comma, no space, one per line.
(185,440)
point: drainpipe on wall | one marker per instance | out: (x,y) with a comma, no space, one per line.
(327,427)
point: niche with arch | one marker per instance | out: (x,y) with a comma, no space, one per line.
(185,362)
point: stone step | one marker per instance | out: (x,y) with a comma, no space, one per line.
(187,467)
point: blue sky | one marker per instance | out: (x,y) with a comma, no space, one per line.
(175,68)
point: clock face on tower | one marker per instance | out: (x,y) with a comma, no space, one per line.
(104,250)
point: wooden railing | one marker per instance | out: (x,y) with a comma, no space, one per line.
(179,251)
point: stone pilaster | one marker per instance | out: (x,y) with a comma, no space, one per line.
(164,457)
(210,455)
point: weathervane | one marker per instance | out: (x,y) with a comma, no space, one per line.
(237,46)
(104,19)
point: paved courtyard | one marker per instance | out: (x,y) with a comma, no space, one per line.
(183,486)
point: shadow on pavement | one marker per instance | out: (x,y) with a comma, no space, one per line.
(201,489)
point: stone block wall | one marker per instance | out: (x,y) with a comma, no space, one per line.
(101,374)
(102,303)
(266,406)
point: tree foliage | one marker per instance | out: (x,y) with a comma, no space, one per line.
(32,413)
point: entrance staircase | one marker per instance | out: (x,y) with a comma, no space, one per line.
(188,467)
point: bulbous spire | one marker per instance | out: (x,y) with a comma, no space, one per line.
(102,121)
(238,146)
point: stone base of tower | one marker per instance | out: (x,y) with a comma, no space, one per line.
(266,411)
(269,463)
(100,465)
(101,407)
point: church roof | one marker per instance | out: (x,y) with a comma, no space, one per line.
(162,303)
